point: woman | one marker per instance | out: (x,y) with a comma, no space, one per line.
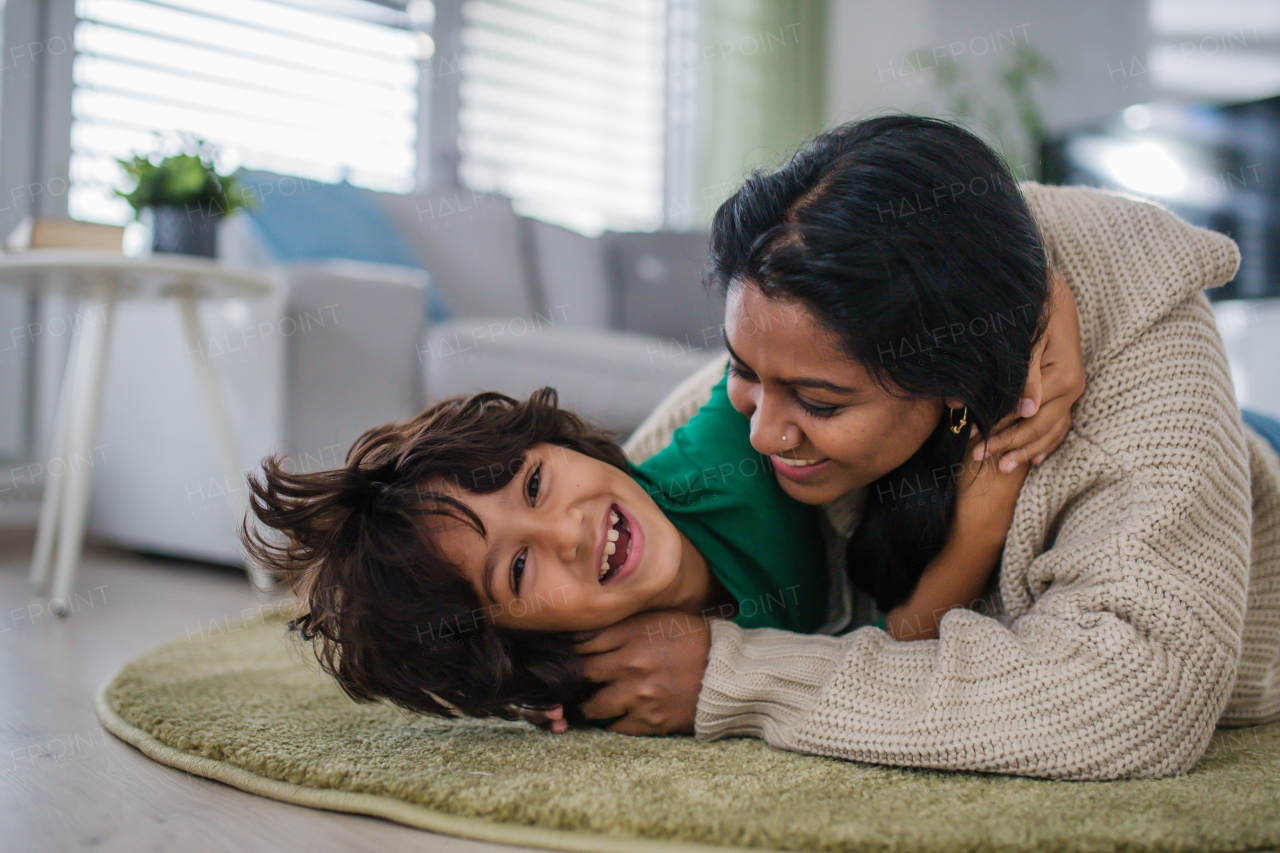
(1139,590)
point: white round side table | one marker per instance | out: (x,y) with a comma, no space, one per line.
(102,278)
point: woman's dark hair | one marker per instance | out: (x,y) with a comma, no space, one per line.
(908,238)
(389,616)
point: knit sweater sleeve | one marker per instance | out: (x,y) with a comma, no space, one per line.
(1124,579)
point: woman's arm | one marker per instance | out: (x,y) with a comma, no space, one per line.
(1055,381)
(954,578)
(958,574)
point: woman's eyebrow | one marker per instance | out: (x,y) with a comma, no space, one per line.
(801,382)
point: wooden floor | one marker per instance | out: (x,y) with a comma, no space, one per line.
(66,784)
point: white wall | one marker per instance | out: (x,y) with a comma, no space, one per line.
(871,65)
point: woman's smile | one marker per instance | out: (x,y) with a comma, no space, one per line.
(798,469)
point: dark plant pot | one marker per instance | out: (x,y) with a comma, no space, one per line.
(189,230)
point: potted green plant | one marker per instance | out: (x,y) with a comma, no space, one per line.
(1004,109)
(182,197)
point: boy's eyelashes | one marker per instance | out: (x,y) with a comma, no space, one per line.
(517,570)
(532,487)
(533,484)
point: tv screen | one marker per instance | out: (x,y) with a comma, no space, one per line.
(1217,166)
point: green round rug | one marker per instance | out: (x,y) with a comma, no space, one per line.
(248,706)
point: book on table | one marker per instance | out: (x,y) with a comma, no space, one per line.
(52,232)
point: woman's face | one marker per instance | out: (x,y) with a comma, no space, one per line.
(549,530)
(789,376)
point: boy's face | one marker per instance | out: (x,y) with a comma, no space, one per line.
(548,531)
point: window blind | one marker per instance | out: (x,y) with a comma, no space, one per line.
(326,91)
(562,108)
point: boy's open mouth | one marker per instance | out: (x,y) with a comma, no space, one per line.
(617,546)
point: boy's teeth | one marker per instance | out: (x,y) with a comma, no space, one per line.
(610,545)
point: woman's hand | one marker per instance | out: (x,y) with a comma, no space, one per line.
(1054,383)
(651,665)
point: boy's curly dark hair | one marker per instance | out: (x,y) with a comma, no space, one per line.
(389,616)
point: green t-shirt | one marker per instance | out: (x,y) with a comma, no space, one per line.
(765,547)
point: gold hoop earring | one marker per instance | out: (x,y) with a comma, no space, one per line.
(964,419)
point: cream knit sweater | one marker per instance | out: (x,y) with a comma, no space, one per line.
(1139,592)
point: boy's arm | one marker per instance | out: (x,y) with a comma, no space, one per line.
(956,577)
(958,574)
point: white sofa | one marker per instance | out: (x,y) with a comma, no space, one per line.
(535,304)
(612,322)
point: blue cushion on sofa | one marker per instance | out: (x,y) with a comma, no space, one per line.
(302,219)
